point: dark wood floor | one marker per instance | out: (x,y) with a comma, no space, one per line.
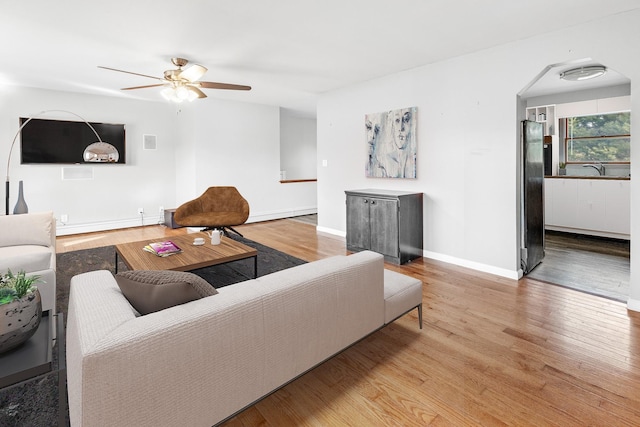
(493,352)
(591,264)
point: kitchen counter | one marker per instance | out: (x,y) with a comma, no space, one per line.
(611,178)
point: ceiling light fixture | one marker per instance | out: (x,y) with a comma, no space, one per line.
(179,92)
(583,73)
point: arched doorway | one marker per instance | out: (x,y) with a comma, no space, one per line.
(583,249)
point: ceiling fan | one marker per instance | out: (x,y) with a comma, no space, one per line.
(182,84)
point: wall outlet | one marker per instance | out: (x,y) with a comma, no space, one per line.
(161,209)
(140,211)
(64,218)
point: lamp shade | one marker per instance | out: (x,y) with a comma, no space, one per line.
(100,152)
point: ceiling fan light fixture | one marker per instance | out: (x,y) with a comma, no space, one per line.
(168,93)
(182,84)
(191,95)
(182,93)
(583,73)
(178,94)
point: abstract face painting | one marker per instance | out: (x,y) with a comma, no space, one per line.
(391,143)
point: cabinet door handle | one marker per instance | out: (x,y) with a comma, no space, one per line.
(373,202)
(366,201)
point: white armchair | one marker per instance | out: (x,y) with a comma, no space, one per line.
(28,242)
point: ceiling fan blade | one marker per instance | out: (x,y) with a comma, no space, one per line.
(197,91)
(229,86)
(141,87)
(129,72)
(193,73)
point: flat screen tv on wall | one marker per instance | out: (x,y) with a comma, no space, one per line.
(63,142)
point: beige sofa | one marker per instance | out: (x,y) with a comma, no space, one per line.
(199,363)
(28,242)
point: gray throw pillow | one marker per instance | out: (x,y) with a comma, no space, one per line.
(154,290)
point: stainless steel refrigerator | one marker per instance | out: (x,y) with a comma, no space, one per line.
(532,251)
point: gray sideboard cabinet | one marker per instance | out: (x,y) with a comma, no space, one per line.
(385,221)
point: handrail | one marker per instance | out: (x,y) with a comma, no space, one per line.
(290,181)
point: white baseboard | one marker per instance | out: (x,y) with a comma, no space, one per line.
(331,231)
(509,274)
(68,229)
(271,215)
(633,304)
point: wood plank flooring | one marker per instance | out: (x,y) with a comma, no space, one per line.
(493,352)
(591,264)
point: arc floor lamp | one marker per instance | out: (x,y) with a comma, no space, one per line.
(96,152)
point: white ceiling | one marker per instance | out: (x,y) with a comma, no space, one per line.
(289,51)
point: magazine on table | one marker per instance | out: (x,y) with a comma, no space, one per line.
(165,248)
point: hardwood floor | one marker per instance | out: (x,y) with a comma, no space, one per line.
(591,264)
(493,352)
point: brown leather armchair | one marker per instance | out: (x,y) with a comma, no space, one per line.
(218,207)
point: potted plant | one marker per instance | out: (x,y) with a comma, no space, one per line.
(562,169)
(20,309)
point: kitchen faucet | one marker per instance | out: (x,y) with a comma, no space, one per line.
(599,167)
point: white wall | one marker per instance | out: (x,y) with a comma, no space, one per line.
(298,146)
(466,146)
(238,144)
(204,143)
(468,138)
(112,197)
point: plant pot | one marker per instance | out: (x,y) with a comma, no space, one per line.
(19,320)
(562,172)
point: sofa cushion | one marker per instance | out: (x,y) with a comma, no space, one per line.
(153,290)
(401,294)
(27,229)
(29,258)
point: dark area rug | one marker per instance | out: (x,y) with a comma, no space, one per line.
(71,263)
(34,403)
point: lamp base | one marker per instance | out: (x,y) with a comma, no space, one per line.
(6,193)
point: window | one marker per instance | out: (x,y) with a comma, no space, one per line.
(602,138)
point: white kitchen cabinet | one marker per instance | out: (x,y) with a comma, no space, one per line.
(548,201)
(588,206)
(564,199)
(618,207)
(590,213)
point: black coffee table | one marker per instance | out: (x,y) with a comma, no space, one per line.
(35,357)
